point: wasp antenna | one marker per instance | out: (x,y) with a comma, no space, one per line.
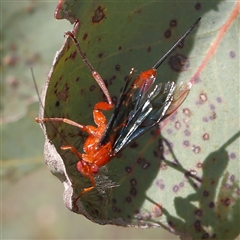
(36,87)
(160,61)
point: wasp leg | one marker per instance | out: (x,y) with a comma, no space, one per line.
(98,116)
(85,190)
(95,74)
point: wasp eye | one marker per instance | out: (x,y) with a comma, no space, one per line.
(79,166)
(94,169)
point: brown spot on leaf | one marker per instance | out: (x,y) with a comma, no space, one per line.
(57,103)
(186,143)
(63,94)
(205,236)
(85,36)
(110,80)
(179,63)
(198,213)
(12,81)
(203,97)
(213,115)
(133,191)
(175,188)
(197,6)
(139,160)
(92,88)
(10,60)
(196,149)
(133,145)
(205,193)
(133,182)
(177,125)
(117,67)
(187,112)
(198,226)
(157,210)
(192,173)
(99,15)
(199,165)
(205,136)
(146,165)
(173,23)
(181,44)
(226,201)
(138,11)
(211,205)
(168,33)
(128,169)
(73,55)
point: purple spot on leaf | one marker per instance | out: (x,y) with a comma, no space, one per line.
(181,184)
(187,133)
(196,149)
(232,54)
(212,107)
(205,119)
(232,155)
(232,178)
(197,80)
(169,131)
(177,125)
(175,188)
(219,100)
(186,143)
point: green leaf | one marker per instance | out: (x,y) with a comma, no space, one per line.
(186,179)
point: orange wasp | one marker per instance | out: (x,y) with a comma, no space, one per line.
(141,106)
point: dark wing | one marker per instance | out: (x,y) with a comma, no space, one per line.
(129,100)
(161,102)
(141,106)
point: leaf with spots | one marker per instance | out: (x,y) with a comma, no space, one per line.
(186,179)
